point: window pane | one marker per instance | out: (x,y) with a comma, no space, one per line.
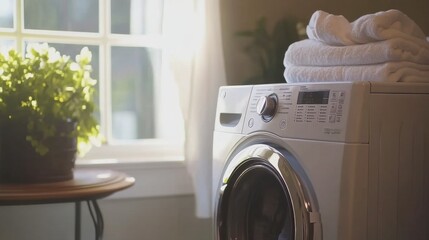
(72,50)
(134,72)
(6,45)
(137,16)
(61,15)
(6,13)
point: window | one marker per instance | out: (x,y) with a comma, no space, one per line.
(138,107)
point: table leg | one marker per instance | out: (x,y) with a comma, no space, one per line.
(77,218)
(97,218)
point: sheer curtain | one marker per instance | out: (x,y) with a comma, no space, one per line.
(194,44)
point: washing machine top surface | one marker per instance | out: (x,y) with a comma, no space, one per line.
(317,111)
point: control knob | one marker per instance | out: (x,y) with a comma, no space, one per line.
(267,106)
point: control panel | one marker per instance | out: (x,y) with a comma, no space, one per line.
(315,111)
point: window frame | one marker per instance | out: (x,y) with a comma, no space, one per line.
(133,151)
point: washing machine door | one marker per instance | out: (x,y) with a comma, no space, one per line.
(263,197)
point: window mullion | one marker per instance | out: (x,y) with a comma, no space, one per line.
(19,24)
(105,84)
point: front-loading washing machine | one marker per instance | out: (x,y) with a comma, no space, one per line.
(331,161)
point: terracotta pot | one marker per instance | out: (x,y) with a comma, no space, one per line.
(20,163)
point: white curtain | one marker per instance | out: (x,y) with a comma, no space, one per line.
(195,47)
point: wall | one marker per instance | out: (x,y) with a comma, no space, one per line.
(162,218)
(159,206)
(241,15)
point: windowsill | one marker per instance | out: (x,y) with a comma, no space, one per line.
(156,178)
(158,167)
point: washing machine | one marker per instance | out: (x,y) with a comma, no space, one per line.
(331,161)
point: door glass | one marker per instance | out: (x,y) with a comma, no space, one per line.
(259,207)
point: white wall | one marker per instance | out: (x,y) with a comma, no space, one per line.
(164,218)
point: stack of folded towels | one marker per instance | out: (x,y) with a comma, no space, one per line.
(385,46)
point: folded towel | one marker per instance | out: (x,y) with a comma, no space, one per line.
(389,72)
(337,30)
(313,53)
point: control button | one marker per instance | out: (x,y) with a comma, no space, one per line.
(338,119)
(251,122)
(267,106)
(331,118)
(333,108)
(321,119)
(339,109)
(283,124)
(334,96)
(341,97)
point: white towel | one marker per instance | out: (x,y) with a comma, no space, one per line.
(313,53)
(389,72)
(337,30)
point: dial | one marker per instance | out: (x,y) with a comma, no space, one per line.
(267,106)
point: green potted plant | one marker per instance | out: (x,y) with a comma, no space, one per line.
(46,113)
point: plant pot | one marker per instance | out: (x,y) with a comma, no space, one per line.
(20,163)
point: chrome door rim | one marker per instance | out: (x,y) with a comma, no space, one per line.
(304,214)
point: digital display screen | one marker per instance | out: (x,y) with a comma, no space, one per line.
(316,97)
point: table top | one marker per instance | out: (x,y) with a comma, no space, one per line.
(87,184)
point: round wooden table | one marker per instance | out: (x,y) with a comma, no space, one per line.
(87,185)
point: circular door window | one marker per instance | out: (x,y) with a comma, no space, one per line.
(262,197)
(258,206)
